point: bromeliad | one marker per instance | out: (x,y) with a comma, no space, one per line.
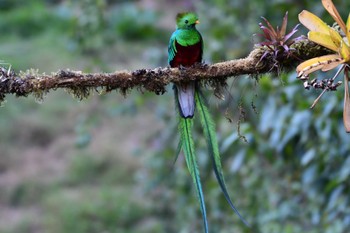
(337,41)
(278,41)
(186,49)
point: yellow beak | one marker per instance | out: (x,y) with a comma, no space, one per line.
(197,21)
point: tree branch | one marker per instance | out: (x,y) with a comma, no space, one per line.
(154,80)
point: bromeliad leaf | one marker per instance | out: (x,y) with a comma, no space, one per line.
(317,63)
(322,39)
(313,22)
(329,6)
(277,41)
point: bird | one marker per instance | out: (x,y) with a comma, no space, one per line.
(185,49)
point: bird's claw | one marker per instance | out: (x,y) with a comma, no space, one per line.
(182,68)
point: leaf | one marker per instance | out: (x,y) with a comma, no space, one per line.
(238,160)
(329,6)
(210,135)
(233,137)
(291,33)
(284,25)
(344,171)
(300,120)
(345,51)
(335,196)
(267,32)
(348,28)
(346,111)
(308,156)
(185,127)
(309,175)
(323,39)
(313,22)
(335,36)
(332,65)
(272,31)
(268,116)
(317,63)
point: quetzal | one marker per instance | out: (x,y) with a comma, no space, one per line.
(184,50)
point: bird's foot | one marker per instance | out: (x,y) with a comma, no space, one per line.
(182,68)
(201,65)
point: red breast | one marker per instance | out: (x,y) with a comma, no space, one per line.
(187,55)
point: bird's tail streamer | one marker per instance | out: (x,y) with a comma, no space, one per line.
(185,127)
(210,135)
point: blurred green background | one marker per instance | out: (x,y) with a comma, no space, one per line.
(105,164)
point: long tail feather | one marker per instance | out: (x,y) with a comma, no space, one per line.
(178,109)
(178,151)
(210,135)
(185,127)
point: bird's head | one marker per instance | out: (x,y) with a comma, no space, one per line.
(186,20)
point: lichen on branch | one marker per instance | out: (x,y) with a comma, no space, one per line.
(154,80)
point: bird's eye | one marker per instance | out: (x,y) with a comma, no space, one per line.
(186,21)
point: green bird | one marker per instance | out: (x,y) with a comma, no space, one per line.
(184,50)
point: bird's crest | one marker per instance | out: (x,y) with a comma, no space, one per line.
(186,19)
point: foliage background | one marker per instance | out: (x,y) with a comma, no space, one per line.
(105,164)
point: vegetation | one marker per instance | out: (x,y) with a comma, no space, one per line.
(105,164)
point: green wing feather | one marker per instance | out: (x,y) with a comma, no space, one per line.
(172,47)
(185,127)
(210,135)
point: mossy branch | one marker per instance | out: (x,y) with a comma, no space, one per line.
(154,80)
